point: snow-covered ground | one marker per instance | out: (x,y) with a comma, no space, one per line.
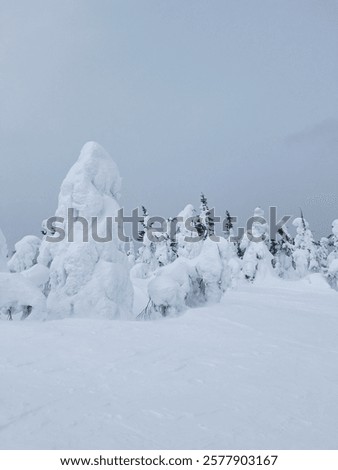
(258,370)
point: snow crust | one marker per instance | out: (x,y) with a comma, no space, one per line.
(256,371)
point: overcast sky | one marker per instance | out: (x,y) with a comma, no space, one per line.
(236,98)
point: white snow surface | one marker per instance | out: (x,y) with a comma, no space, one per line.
(258,370)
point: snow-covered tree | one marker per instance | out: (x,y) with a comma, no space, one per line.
(158,249)
(21,293)
(332,260)
(189,242)
(305,251)
(205,222)
(234,244)
(282,252)
(20,297)
(25,255)
(193,281)
(228,226)
(172,239)
(88,278)
(143,230)
(131,254)
(323,253)
(170,289)
(334,241)
(257,260)
(215,269)
(3,253)
(147,260)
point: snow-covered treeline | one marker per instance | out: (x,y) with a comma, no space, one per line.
(188,273)
(186,266)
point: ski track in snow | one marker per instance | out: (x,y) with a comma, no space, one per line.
(258,370)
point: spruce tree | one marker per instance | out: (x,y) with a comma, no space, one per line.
(228,225)
(283,260)
(256,258)
(144,225)
(305,254)
(332,260)
(206,219)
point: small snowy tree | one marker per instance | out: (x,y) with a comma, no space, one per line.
(21,293)
(25,255)
(172,239)
(257,260)
(131,254)
(150,256)
(323,253)
(3,253)
(229,234)
(189,233)
(144,224)
(216,269)
(305,250)
(228,226)
(20,298)
(332,260)
(206,221)
(282,251)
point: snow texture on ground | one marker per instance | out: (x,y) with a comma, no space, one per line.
(258,370)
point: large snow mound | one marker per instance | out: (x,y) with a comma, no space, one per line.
(88,277)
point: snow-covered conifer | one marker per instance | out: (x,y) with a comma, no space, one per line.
(206,222)
(26,254)
(189,238)
(144,224)
(131,254)
(323,253)
(88,277)
(257,260)
(332,260)
(3,253)
(189,282)
(228,226)
(20,297)
(283,262)
(147,260)
(305,251)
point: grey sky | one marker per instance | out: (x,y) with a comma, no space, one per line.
(236,98)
